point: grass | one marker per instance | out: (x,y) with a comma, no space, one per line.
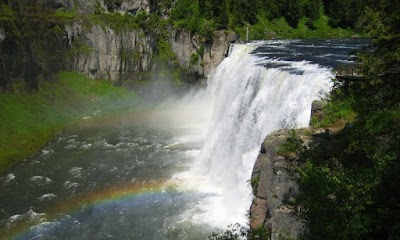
(65,14)
(336,112)
(291,146)
(30,121)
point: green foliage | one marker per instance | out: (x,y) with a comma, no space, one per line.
(6,13)
(116,21)
(292,145)
(279,28)
(237,232)
(334,201)
(29,121)
(194,59)
(32,45)
(348,188)
(254,183)
(337,110)
(344,13)
(65,14)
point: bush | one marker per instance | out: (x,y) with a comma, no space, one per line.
(292,145)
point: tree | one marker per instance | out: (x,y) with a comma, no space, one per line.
(293,13)
(359,177)
(33,45)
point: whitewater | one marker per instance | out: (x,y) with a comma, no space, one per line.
(248,101)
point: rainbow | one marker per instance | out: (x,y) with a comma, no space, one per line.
(100,198)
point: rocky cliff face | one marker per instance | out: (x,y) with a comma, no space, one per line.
(199,57)
(274,180)
(90,6)
(116,55)
(105,52)
(275,187)
(102,51)
(111,54)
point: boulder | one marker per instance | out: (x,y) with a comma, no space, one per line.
(316,110)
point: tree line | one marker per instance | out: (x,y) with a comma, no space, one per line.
(231,13)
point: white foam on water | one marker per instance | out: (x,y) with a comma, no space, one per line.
(9,178)
(30,217)
(248,101)
(40,180)
(46,197)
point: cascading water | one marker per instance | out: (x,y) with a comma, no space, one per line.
(177,171)
(249,101)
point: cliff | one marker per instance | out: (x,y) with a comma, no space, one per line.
(275,187)
(198,56)
(114,40)
(275,175)
(89,6)
(111,54)
(117,54)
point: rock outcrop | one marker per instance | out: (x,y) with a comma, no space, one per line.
(111,54)
(103,47)
(90,6)
(274,179)
(316,110)
(117,55)
(275,188)
(189,47)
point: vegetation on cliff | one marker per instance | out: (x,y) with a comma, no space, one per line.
(350,191)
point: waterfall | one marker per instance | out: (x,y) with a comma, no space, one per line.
(251,95)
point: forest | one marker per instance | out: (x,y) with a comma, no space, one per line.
(350,191)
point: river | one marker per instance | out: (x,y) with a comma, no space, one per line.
(180,170)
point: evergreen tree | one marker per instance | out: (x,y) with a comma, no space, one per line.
(293,13)
(312,9)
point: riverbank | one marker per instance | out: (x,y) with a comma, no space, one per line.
(30,121)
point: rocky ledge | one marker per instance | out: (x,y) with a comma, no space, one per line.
(274,177)
(275,187)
